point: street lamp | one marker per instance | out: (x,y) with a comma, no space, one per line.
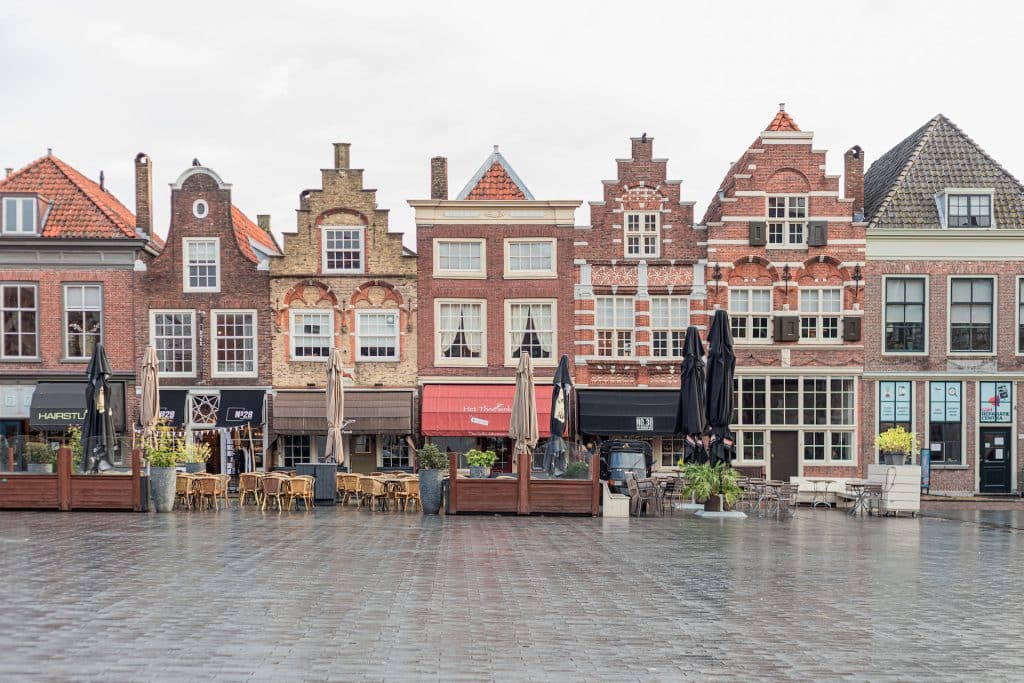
(716,275)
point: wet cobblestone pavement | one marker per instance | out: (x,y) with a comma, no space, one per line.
(348,595)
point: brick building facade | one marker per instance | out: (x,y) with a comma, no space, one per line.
(205,309)
(639,273)
(495,280)
(345,281)
(785,258)
(69,259)
(944,352)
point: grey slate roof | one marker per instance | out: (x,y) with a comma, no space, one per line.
(900,187)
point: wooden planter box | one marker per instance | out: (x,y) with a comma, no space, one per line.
(66,491)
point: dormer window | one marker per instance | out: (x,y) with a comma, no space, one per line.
(19,216)
(970,211)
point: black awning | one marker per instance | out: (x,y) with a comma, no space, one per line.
(172,406)
(650,412)
(240,407)
(59,405)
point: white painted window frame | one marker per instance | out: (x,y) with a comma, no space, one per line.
(186,264)
(397,335)
(510,274)
(642,233)
(541,362)
(153,313)
(439,359)
(455,273)
(787,243)
(214,315)
(293,314)
(325,229)
(65,311)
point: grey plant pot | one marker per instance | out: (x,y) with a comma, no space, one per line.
(161,484)
(193,467)
(430,491)
(40,468)
(479,472)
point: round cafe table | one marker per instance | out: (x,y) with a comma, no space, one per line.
(859,489)
(820,493)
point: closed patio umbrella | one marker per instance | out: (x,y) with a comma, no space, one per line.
(335,408)
(523,421)
(149,406)
(721,369)
(554,454)
(691,421)
(98,428)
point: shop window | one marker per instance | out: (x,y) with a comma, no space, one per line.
(750,312)
(671,451)
(815,401)
(670,316)
(970,315)
(814,446)
(995,400)
(203,409)
(785,400)
(172,334)
(531,329)
(904,314)
(18,321)
(752,446)
(642,234)
(787,220)
(202,264)
(312,334)
(83,319)
(343,250)
(895,405)
(945,422)
(377,335)
(753,398)
(295,449)
(819,314)
(614,323)
(842,446)
(234,343)
(394,451)
(841,401)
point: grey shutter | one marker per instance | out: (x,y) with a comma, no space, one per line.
(787,327)
(817,234)
(758,235)
(851,328)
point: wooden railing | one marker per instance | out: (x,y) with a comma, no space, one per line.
(65,490)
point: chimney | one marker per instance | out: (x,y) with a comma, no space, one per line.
(102,181)
(643,148)
(263,220)
(341,153)
(8,171)
(439,178)
(143,194)
(853,180)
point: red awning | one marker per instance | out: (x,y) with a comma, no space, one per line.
(477,409)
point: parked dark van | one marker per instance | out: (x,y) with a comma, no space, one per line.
(618,458)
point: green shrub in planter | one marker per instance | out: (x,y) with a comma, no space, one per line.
(577,470)
(40,454)
(706,483)
(430,457)
(477,458)
(432,463)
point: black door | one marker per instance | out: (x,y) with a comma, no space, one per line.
(994,460)
(784,456)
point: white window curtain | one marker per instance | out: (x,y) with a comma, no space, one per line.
(448,326)
(520,313)
(469,317)
(544,324)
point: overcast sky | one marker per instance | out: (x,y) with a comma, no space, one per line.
(259,91)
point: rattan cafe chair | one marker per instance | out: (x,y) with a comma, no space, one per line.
(274,488)
(300,487)
(249,485)
(183,490)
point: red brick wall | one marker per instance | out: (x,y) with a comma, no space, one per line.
(495,289)
(241,285)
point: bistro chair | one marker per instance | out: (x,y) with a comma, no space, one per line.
(786,499)
(339,484)
(249,485)
(223,480)
(300,487)
(208,491)
(349,488)
(410,492)
(183,490)
(273,488)
(641,498)
(374,492)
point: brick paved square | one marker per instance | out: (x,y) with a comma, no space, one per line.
(341,594)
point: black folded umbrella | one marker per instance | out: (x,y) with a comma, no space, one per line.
(98,436)
(691,421)
(721,368)
(554,454)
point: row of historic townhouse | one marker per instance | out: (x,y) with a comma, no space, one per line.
(896,299)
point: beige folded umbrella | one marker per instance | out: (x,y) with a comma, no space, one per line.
(523,421)
(149,408)
(335,408)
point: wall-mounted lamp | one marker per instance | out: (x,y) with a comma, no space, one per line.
(786,277)
(857,277)
(716,275)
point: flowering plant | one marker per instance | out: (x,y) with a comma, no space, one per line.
(897,440)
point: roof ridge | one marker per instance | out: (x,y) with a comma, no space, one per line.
(911,159)
(495,158)
(981,150)
(100,201)
(24,169)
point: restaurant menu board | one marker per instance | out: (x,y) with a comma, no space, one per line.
(996,399)
(944,399)
(894,401)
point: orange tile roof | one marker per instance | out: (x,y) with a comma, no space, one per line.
(79,207)
(783,122)
(246,230)
(496,184)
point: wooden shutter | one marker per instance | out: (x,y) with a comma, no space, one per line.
(851,328)
(787,327)
(817,234)
(758,236)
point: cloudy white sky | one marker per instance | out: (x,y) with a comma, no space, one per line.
(259,91)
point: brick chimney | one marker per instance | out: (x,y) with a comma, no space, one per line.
(853,179)
(341,155)
(643,148)
(439,178)
(263,220)
(143,193)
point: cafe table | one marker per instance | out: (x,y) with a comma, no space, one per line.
(820,492)
(859,489)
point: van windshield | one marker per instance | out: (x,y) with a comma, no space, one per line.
(626,460)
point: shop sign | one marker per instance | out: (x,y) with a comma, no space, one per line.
(996,401)
(645,424)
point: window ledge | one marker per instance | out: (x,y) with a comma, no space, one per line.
(378,360)
(459,276)
(950,467)
(34,359)
(547,275)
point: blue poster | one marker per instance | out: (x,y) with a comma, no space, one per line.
(926,469)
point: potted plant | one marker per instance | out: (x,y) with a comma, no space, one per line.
(480,463)
(578,469)
(194,457)
(40,458)
(75,442)
(896,446)
(432,464)
(716,486)
(163,454)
